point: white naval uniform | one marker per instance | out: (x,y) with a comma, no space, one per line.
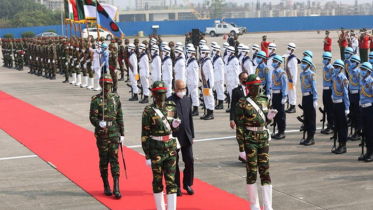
(96,65)
(293,69)
(208,71)
(219,76)
(156,65)
(144,73)
(192,70)
(248,64)
(270,61)
(133,61)
(180,69)
(167,74)
(232,67)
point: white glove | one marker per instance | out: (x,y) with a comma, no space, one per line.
(148,163)
(269,97)
(243,155)
(53,61)
(121,140)
(22,55)
(41,60)
(92,68)
(315,104)
(283,101)
(77,66)
(36,58)
(77,49)
(347,112)
(15,55)
(71,56)
(49,60)
(72,65)
(271,114)
(66,63)
(30,57)
(122,61)
(85,66)
(102,124)
(81,59)
(176,123)
(75,59)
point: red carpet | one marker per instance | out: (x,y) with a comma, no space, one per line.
(72,149)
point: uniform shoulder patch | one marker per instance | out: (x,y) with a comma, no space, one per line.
(170,103)
(345,82)
(313,76)
(266,69)
(95,96)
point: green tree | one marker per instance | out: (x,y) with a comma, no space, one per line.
(25,13)
(216,8)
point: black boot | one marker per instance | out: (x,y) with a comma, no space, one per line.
(203,117)
(210,115)
(121,78)
(369,155)
(53,77)
(341,148)
(40,73)
(228,110)
(66,80)
(116,188)
(104,176)
(309,141)
(134,98)
(355,136)
(145,100)
(291,109)
(241,159)
(179,192)
(328,130)
(195,111)
(280,135)
(220,105)
(365,156)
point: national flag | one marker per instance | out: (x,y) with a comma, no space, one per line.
(80,10)
(68,11)
(91,13)
(104,21)
(75,11)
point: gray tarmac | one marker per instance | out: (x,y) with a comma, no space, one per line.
(304,178)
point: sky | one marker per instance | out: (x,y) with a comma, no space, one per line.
(125,3)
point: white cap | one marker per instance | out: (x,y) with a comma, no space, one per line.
(142,46)
(131,46)
(272,46)
(178,44)
(255,47)
(166,49)
(205,48)
(179,50)
(292,46)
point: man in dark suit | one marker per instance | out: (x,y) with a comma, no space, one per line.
(237,93)
(230,40)
(185,135)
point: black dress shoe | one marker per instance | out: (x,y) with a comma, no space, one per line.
(189,190)
(228,110)
(242,160)
(195,111)
(179,192)
(279,135)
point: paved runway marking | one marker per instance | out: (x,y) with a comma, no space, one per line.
(222,138)
(18,157)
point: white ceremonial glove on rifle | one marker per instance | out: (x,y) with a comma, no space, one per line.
(271,114)
(242,155)
(176,123)
(347,112)
(121,140)
(148,163)
(315,104)
(283,101)
(102,124)
(269,97)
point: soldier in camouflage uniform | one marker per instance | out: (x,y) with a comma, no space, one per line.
(66,60)
(26,43)
(252,115)
(52,59)
(89,63)
(121,53)
(107,118)
(113,52)
(136,43)
(158,121)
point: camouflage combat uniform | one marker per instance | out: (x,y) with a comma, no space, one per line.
(161,153)
(113,65)
(254,143)
(107,139)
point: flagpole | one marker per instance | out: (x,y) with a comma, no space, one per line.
(64,11)
(99,56)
